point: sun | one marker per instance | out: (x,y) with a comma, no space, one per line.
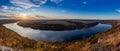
(23,16)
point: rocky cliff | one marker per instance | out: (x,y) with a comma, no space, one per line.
(106,41)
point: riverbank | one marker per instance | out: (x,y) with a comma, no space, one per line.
(108,40)
(14,41)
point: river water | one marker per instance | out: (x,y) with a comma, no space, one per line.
(53,36)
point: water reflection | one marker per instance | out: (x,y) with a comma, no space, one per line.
(66,35)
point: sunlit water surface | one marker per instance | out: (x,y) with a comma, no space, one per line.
(49,35)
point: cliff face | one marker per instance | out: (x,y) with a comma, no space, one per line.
(107,41)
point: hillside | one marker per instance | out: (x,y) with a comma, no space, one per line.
(11,39)
(57,25)
(105,41)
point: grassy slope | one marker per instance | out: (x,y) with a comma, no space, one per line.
(11,39)
(15,41)
(107,41)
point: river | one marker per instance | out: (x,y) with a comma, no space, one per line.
(53,36)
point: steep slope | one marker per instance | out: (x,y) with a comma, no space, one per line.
(13,40)
(107,41)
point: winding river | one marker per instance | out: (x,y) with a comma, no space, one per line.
(49,35)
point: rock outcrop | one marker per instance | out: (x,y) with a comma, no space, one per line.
(108,41)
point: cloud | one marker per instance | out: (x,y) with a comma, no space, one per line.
(7,9)
(56,1)
(28,3)
(84,2)
(32,3)
(3,16)
(40,16)
(15,8)
(6,16)
(39,2)
(118,10)
(4,9)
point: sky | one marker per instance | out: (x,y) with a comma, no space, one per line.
(60,9)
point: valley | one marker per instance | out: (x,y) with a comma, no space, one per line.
(104,41)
